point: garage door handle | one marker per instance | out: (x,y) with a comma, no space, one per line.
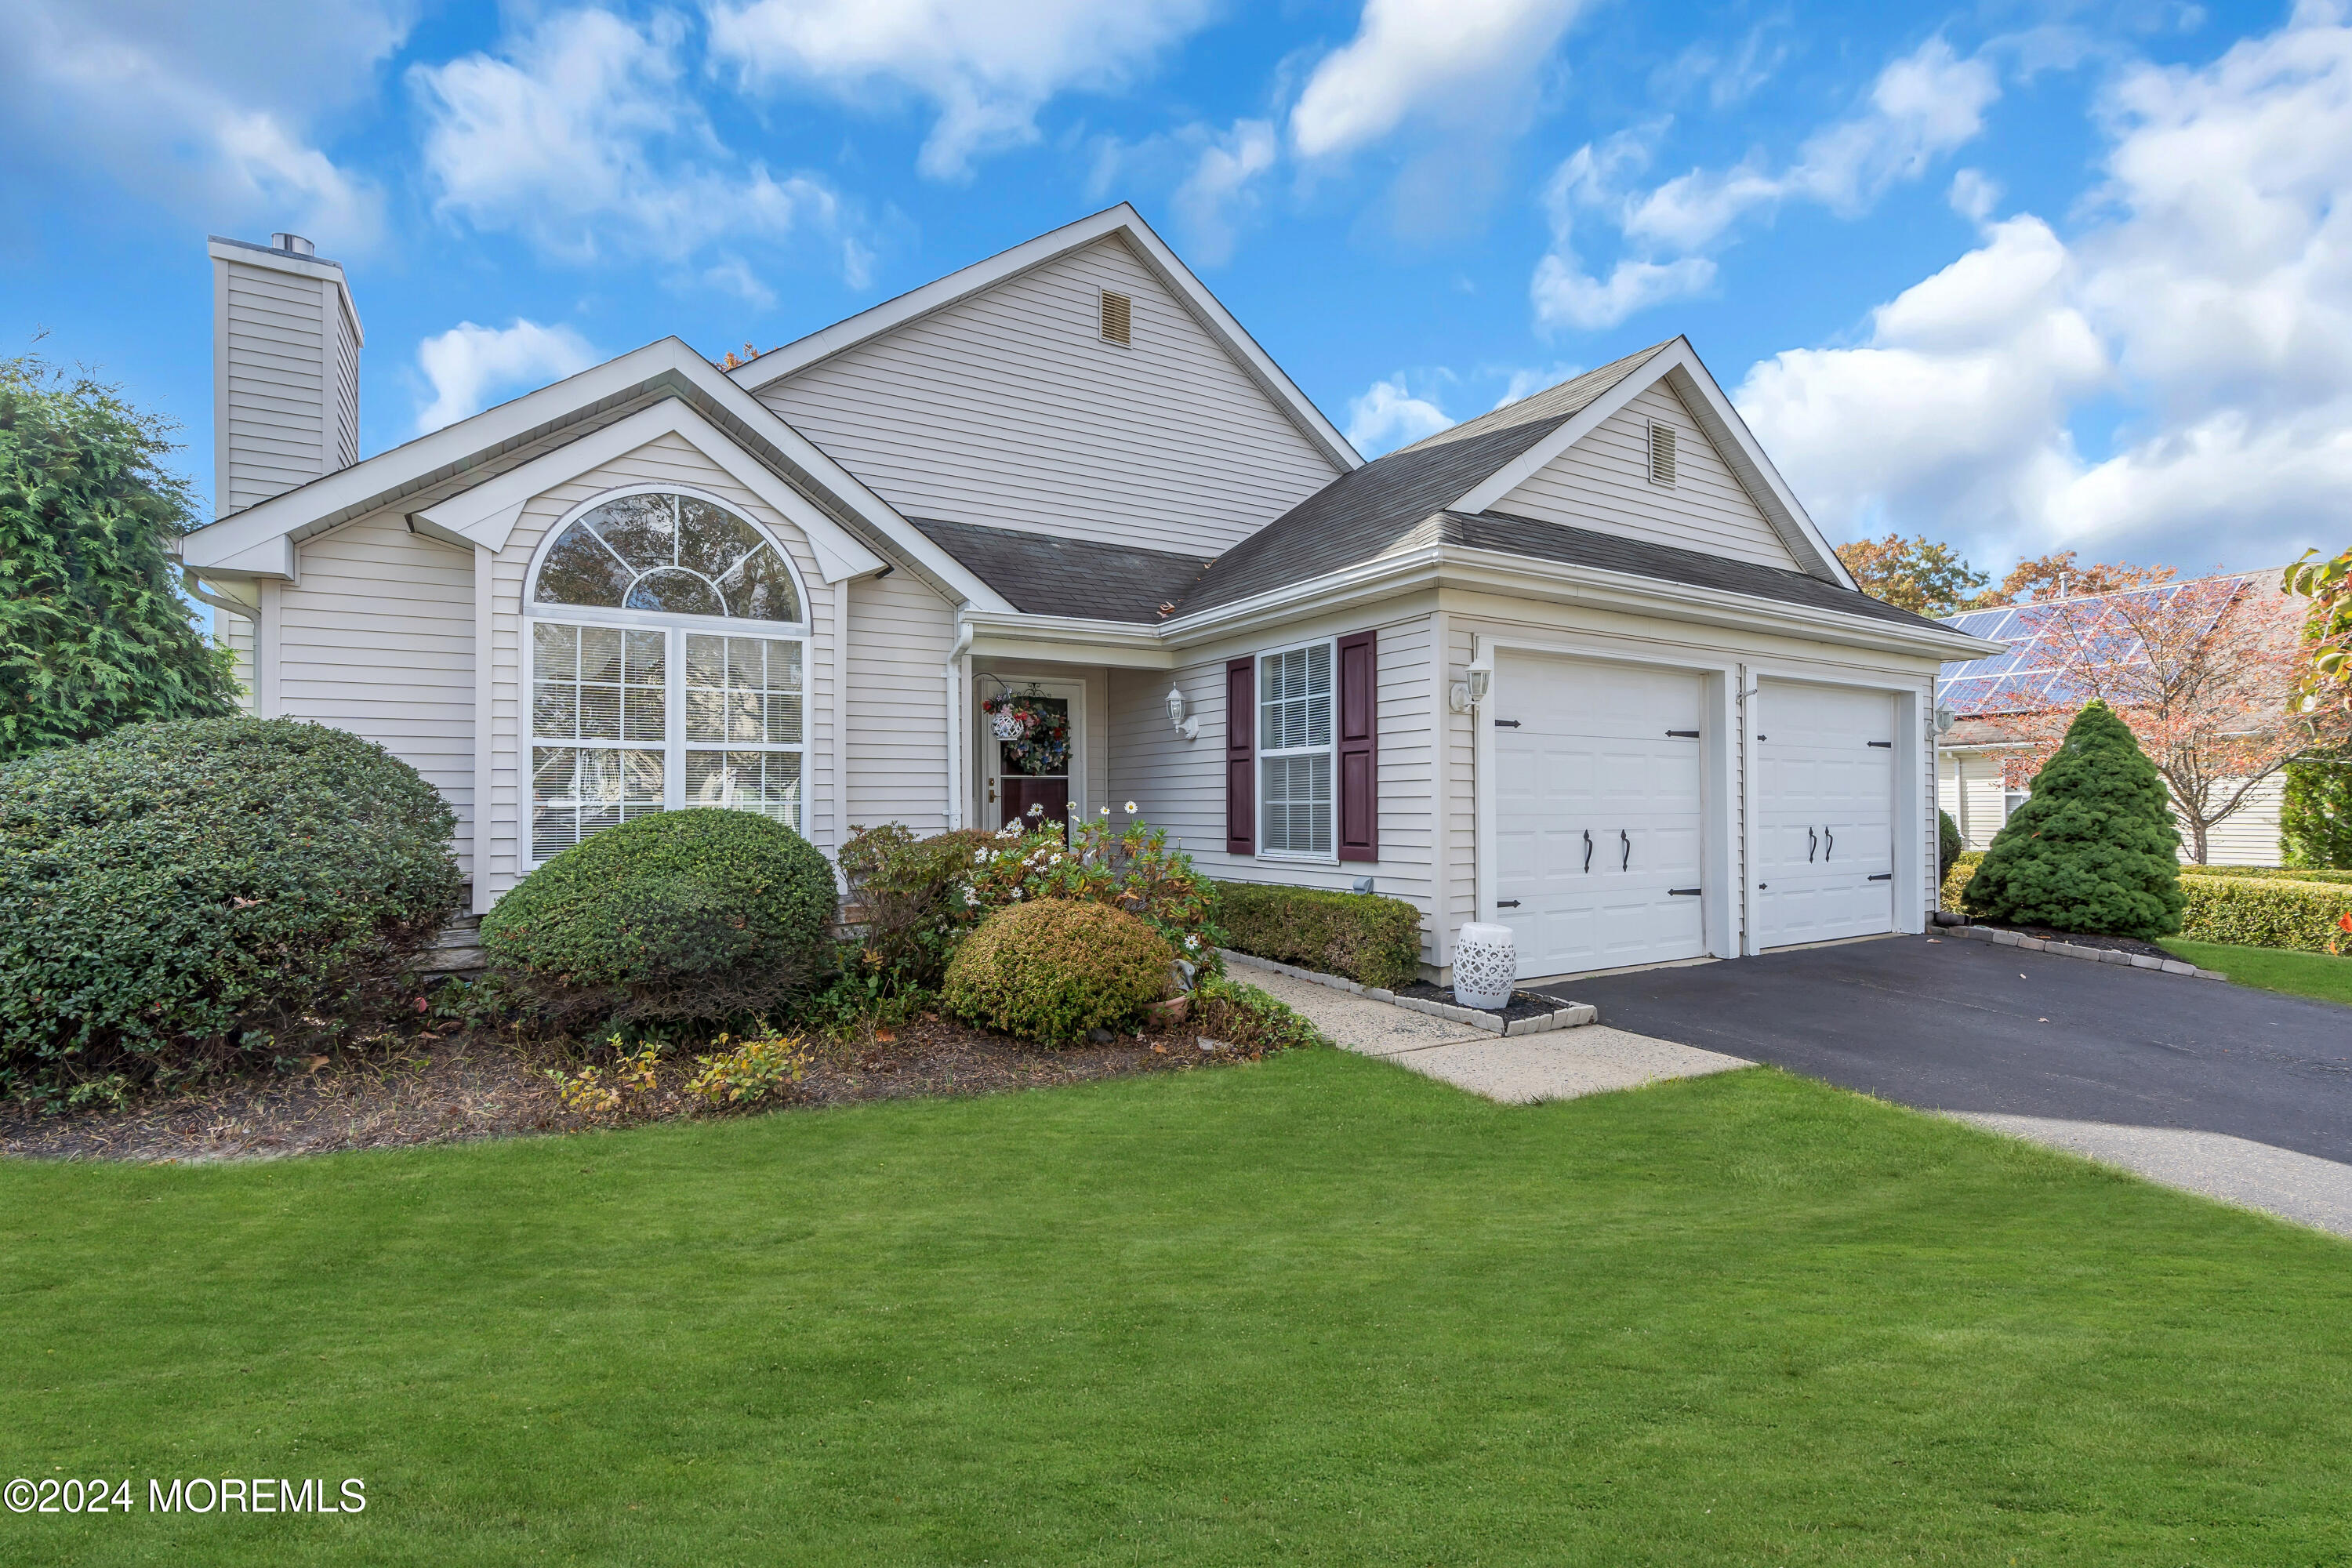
(1588,849)
(1628,843)
(1506,903)
(1682,734)
(1683,892)
(1830,846)
(1813,844)
(1883,876)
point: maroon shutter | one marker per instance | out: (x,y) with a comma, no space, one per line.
(1240,757)
(1358,747)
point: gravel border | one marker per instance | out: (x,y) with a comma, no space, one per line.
(1575,1015)
(2077,949)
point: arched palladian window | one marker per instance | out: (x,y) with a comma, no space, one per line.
(667,652)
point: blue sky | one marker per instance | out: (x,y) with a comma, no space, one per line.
(2020,276)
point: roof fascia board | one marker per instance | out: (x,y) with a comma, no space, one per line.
(1679,363)
(1070,637)
(1158,258)
(487,513)
(1501,573)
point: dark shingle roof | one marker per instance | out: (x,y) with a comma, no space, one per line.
(1045,575)
(1368,512)
(1667,562)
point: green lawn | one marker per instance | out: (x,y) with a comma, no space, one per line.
(2269,968)
(1317,1310)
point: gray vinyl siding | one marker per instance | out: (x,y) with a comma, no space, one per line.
(288,382)
(896,720)
(1007,410)
(1603,482)
(1179,784)
(236,632)
(669,459)
(2247,837)
(2250,834)
(378,639)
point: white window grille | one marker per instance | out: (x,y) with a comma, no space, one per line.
(650,700)
(1295,801)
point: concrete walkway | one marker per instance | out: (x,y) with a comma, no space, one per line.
(1519,1070)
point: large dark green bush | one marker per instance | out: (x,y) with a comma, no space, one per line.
(2094,848)
(1053,969)
(2315,812)
(1361,936)
(907,891)
(181,895)
(93,633)
(681,917)
(1948,843)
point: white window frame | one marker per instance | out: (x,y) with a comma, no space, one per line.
(1260,752)
(2012,798)
(676,628)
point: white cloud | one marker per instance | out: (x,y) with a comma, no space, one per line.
(2210,297)
(208,111)
(580,136)
(1974,194)
(1443,59)
(1214,198)
(986,66)
(1920,106)
(467,365)
(1387,416)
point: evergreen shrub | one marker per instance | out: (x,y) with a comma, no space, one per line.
(680,917)
(2094,848)
(185,895)
(1359,936)
(1053,969)
(1948,843)
(2245,911)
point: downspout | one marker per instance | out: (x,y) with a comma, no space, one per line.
(956,719)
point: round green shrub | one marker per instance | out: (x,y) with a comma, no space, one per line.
(692,916)
(1948,843)
(1054,969)
(2094,848)
(178,895)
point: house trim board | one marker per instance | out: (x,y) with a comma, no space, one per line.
(485,719)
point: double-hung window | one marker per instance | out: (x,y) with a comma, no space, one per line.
(1295,797)
(667,668)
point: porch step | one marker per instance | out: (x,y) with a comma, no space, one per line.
(456,949)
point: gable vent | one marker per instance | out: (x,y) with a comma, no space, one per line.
(1662,454)
(1118,315)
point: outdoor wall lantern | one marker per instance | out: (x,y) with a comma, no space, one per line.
(1187,728)
(1468,694)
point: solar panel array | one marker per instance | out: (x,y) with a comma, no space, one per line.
(2029,677)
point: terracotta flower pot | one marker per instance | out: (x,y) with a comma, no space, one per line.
(1168,1014)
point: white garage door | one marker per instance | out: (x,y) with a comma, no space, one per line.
(1597,857)
(1825,808)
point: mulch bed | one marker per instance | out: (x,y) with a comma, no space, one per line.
(2080,939)
(464,1088)
(1523,1003)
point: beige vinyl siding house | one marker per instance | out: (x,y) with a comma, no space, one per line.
(975,494)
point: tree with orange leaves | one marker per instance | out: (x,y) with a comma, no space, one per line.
(2205,673)
(2055,576)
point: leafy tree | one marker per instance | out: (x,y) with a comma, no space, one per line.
(92,633)
(2315,815)
(2315,812)
(1915,574)
(2094,849)
(2055,576)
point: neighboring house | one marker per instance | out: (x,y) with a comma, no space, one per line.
(1581,664)
(1991,698)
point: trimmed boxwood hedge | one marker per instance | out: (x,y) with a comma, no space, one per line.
(2270,873)
(1053,969)
(180,896)
(2252,911)
(1360,936)
(681,917)
(1956,881)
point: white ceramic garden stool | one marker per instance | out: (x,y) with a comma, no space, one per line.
(1485,963)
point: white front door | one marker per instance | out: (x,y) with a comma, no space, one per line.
(1825,808)
(1597,792)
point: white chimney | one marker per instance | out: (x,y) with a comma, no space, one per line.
(285,370)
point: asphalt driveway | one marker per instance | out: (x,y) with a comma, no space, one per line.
(1970,1028)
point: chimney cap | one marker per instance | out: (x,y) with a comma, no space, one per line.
(292,244)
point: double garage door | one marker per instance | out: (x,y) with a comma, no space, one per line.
(1602,817)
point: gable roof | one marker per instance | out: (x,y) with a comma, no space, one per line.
(460,457)
(1126,223)
(1045,574)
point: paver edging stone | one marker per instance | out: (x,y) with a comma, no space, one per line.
(2074,950)
(1573,1015)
